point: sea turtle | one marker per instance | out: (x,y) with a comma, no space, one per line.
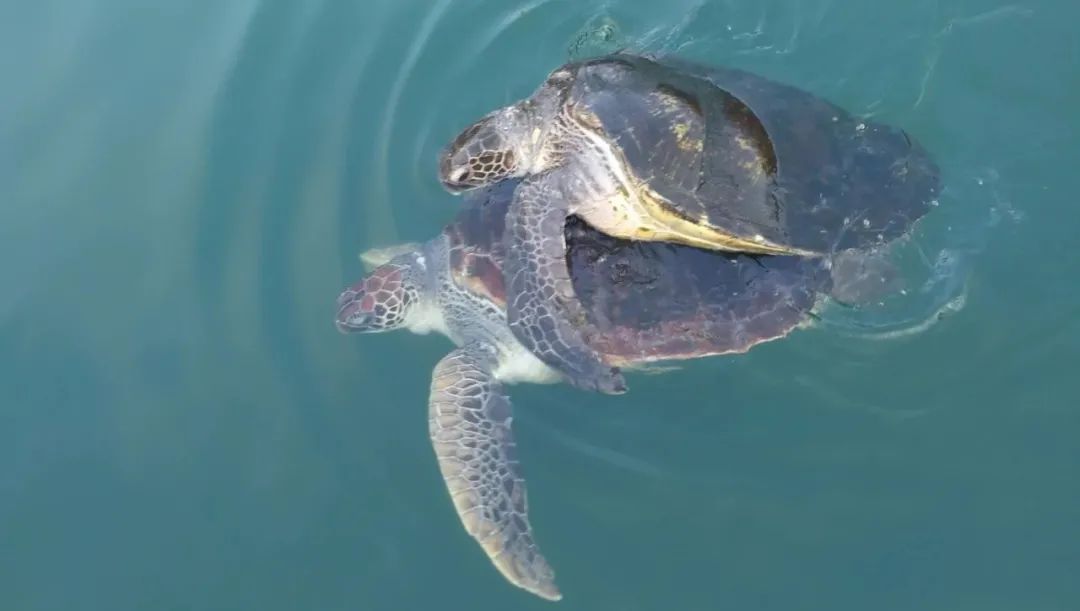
(646,302)
(667,150)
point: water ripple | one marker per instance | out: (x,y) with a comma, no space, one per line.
(406,89)
(382,193)
(937,261)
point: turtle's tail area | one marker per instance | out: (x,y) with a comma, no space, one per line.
(863,277)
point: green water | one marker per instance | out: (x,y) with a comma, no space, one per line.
(184,188)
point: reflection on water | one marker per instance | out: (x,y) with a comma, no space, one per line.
(186,187)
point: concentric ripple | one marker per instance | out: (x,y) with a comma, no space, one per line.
(780,40)
(185,187)
(329,120)
(284,173)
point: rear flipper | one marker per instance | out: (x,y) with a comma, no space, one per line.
(542,308)
(861,277)
(374,257)
(469,421)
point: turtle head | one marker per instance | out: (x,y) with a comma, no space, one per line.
(390,297)
(495,147)
(509,142)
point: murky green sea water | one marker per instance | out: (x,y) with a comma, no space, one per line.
(185,186)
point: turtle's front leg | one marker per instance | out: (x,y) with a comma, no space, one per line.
(542,309)
(469,420)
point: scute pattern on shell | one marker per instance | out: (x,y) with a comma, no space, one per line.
(654,301)
(650,301)
(756,158)
(476,242)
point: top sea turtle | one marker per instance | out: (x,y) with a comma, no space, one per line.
(646,301)
(666,150)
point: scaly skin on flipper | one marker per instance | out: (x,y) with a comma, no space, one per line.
(542,309)
(469,421)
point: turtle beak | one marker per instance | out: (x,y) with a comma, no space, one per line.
(483,153)
(350,316)
(454,169)
(454,160)
(454,179)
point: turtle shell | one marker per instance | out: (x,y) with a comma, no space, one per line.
(754,158)
(649,300)
(475,242)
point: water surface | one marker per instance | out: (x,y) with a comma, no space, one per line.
(184,188)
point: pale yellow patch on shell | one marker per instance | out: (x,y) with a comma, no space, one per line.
(685,142)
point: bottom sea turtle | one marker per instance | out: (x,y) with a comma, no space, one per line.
(647,301)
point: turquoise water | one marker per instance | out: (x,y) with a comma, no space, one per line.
(184,188)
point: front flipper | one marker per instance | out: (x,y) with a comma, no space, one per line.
(469,420)
(542,308)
